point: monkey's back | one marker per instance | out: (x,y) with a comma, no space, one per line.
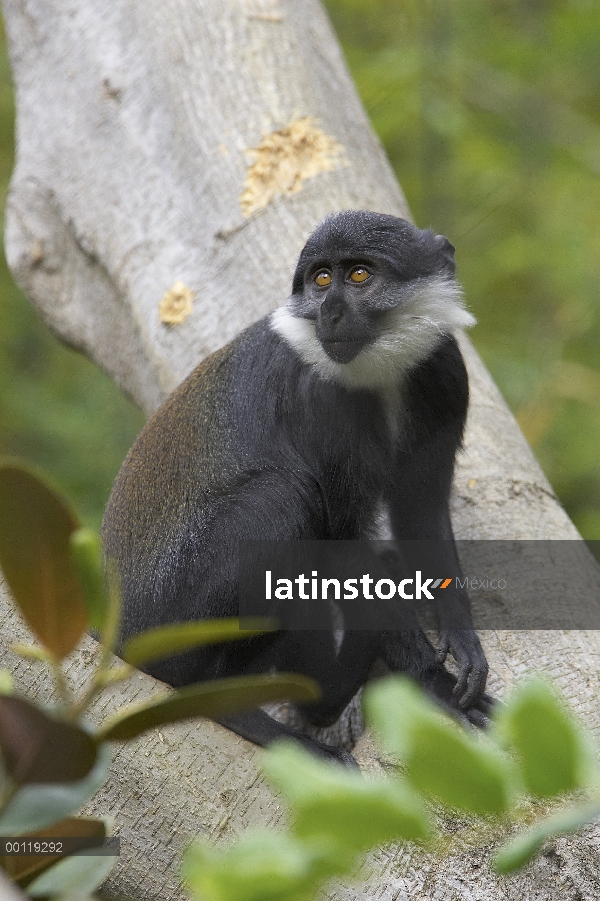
(157,511)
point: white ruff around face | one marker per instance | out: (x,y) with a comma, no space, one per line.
(410,332)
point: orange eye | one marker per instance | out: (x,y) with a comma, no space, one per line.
(323,278)
(359,274)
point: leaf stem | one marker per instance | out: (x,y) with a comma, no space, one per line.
(102,676)
(60,683)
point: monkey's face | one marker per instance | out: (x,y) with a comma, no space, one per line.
(358,267)
(344,298)
(372,295)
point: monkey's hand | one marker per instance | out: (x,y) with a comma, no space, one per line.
(441,685)
(466,649)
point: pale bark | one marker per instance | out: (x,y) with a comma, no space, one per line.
(134,126)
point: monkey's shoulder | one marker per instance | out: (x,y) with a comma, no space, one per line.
(436,393)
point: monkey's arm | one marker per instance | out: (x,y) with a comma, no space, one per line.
(430,535)
(419,506)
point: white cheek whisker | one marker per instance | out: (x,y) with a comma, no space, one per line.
(426,313)
(435,325)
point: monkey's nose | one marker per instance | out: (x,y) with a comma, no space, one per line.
(331,313)
(335,316)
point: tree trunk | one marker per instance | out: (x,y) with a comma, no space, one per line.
(200,143)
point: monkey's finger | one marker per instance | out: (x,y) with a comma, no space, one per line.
(478,718)
(461,690)
(487,704)
(443,651)
(475,685)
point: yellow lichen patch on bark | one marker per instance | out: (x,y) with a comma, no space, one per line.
(176,305)
(284,160)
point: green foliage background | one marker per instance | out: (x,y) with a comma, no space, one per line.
(490,115)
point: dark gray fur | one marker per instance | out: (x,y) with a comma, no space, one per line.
(258,443)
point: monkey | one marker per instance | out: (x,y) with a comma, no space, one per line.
(343,408)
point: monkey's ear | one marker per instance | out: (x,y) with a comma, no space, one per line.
(446,253)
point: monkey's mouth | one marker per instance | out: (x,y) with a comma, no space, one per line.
(342,351)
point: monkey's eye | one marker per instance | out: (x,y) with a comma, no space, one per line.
(359,274)
(323,278)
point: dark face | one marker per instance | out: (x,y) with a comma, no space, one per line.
(356,267)
(344,298)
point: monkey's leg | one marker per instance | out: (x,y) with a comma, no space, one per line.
(261,729)
(404,647)
(312,653)
(272,506)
